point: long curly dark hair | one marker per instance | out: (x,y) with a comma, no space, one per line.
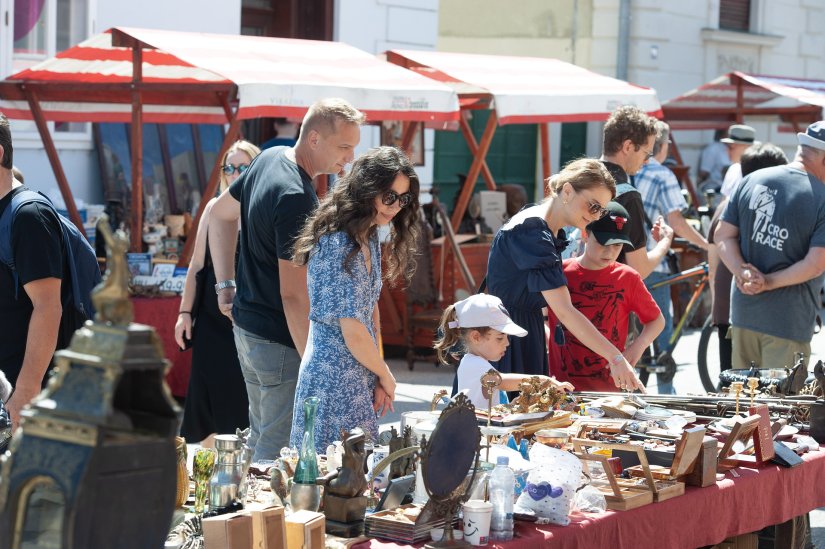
(350,208)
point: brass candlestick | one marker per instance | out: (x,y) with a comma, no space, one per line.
(737,387)
(489,382)
(753,387)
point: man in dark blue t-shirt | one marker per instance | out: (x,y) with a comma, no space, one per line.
(30,306)
(270,308)
(772,238)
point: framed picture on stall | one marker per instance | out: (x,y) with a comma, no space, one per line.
(392,134)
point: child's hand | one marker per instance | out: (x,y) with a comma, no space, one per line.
(564,386)
(625,377)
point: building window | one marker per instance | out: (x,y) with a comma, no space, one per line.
(735,15)
(43,28)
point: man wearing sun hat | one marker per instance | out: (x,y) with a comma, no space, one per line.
(772,238)
(739,138)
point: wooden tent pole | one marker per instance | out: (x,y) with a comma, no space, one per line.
(740,101)
(544,138)
(475,169)
(54,159)
(214,179)
(472,144)
(407,136)
(136,231)
(674,150)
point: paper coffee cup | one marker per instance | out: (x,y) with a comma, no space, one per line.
(477,515)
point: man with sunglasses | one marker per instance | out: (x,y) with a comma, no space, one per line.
(269,305)
(629,135)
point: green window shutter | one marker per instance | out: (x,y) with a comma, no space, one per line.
(511,157)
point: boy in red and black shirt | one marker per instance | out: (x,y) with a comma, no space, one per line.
(606,292)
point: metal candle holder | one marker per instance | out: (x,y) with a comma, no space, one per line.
(489,382)
(753,387)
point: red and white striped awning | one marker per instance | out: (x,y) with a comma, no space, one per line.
(185,76)
(529,89)
(732,96)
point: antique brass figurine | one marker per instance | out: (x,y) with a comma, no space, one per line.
(753,387)
(344,500)
(489,382)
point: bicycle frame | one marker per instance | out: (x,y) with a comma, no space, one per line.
(690,310)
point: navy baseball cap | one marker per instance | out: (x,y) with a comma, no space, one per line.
(614,228)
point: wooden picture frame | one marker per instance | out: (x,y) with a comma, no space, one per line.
(742,432)
(392,133)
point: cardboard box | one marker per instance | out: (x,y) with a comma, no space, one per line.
(231,531)
(268,528)
(305,530)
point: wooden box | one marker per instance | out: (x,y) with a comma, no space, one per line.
(232,531)
(305,530)
(268,528)
(704,472)
(670,481)
(620,494)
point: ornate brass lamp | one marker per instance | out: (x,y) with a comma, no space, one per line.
(93,463)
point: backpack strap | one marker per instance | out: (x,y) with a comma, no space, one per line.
(23,197)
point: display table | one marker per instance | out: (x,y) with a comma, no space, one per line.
(703,516)
(161,313)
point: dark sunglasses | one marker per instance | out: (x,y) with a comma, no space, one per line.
(597,209)
(391,196)
(229,169)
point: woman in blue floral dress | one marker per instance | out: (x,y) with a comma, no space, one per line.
(339,244)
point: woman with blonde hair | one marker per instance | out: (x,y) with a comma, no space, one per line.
(216,401)
(525,270)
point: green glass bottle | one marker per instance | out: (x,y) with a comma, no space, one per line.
(305,494)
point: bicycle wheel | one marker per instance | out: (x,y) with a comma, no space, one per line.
(708,359)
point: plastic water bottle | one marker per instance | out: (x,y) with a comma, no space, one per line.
(502,482)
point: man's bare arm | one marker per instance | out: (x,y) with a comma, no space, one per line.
(295,298)
(223,237)
(40,342)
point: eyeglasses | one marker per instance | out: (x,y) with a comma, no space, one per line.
(391,196)
(596,209)
(648,154)
(229,169)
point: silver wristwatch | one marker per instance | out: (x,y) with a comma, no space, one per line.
(224,284)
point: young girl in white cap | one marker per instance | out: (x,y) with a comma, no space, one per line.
(481,325)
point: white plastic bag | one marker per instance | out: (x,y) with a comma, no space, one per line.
(551,484)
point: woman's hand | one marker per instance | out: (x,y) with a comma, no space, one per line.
(624,376)
(381,402)
(183,327)
(387,382)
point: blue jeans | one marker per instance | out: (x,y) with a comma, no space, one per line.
(270,371)
(661,296)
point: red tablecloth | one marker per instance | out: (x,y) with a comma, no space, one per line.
(161,313)
(703,516)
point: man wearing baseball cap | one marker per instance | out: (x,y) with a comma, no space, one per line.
(772,238)
(606,292)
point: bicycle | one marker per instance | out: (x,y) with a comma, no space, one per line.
(663,361)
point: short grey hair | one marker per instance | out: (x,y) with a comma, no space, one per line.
(324,115)
(662,136)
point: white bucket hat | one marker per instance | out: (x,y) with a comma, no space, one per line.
(485,310)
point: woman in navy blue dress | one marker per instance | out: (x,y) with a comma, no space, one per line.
(339,244)
(525,270)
